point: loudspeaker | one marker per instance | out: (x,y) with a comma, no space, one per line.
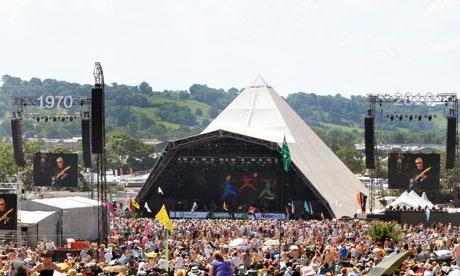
(97,119)
(451,142)
(369,142)
(86,142)
(16,134)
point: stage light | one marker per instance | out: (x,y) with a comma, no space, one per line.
(400,117)
(429,117)
(38,119)
(71,118)
(392,117)
(388,116)
(46,119)
(54,119)
(419,117)
(410,117)
(63,119)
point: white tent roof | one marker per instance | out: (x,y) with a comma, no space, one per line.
(67,202)
(260,112)
(33,217)
(405,200)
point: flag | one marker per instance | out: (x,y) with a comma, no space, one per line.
(311,208)
(133,205)
(292,207)
(286,155)
(160,191)
(362,200)
(287,213)
(225,206)
(427,213)
(146,206)
(322,216)
(109,207)
(194,207)
(306,207)
(163,218)
(110,198)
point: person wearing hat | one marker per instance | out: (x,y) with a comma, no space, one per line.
(195,271)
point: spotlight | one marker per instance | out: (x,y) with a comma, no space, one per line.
(392,117)
(54,119)
(419,117)
(429,117)
(71,118)
(388,116)
(63,119)
(400,117)
(46,119)
(434,116)
(38,119)
(410,117)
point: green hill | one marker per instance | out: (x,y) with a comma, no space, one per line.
(145,113)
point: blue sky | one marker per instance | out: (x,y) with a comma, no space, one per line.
(326,47)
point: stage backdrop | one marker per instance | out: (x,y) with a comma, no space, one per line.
(56,169)
(402,168)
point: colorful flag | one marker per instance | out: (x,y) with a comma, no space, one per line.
(322,216)
(194,206)
(160,191)
(146,206)
(306,207)
(311,208)
(163,218)
(292,207)
(427,213)
(286,155)
(362,200)
(109,207)
(133,205)
(225,206)
(110,197)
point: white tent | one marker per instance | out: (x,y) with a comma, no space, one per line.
(260,112)
(404,200)
(78,216)
(428,202)
(37,225)
(411,199)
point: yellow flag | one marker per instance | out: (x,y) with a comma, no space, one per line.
(225,206)
(163,218)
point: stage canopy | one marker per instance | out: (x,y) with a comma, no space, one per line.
(260,116)
(38,225)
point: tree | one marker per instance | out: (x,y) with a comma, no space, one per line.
(381,231)
(123,150)
(145,88)
(7,166)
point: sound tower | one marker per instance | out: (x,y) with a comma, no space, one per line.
(369,142)
(86,142)
(451,141)
(97,120)
(16,134)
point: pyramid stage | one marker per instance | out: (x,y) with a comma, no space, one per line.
(236,165)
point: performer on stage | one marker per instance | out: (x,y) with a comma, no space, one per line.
(60,175)
(420,176)
(7,216)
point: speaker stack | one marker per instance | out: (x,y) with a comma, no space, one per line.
(86,142)
(369,142)
(451,141)
(16,134)
(97,120)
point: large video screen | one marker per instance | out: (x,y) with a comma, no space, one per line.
(413,171)
(56,169)
(8,211)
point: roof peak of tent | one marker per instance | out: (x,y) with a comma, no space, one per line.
(259,82)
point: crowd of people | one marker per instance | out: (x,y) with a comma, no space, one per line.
(141,246)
